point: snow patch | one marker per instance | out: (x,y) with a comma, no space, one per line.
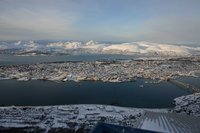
(129,48)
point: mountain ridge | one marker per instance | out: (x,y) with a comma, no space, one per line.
(93,47)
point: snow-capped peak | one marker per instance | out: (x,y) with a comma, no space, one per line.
(93,47)
(130,48)
(90,43)
(18,43)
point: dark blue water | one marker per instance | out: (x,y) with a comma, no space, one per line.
(14,60)
(191,80)
(127,94)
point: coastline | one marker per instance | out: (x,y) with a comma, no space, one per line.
(106,71)
(82,118)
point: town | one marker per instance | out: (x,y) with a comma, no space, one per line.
(104,70)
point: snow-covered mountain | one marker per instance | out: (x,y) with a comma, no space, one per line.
(128,48)
(92,47)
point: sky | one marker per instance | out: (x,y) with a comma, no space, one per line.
(166,21)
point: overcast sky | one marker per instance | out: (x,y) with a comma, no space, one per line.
(169,21)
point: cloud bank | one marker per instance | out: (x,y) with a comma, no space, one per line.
(114,20)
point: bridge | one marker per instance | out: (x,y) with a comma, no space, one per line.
(193,88)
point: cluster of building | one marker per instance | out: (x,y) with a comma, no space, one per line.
(107,71)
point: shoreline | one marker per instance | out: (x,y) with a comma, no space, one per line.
(73,118)
(82,118)
(106,71)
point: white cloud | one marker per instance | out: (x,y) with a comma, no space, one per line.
(100,20)
(35,23)
(170,29)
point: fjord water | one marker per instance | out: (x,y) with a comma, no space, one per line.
(129,94)
(6,60)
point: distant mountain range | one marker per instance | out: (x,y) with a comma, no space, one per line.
(92,47)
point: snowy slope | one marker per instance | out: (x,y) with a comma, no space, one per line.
(92,47)
(65,118)
(130,48)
